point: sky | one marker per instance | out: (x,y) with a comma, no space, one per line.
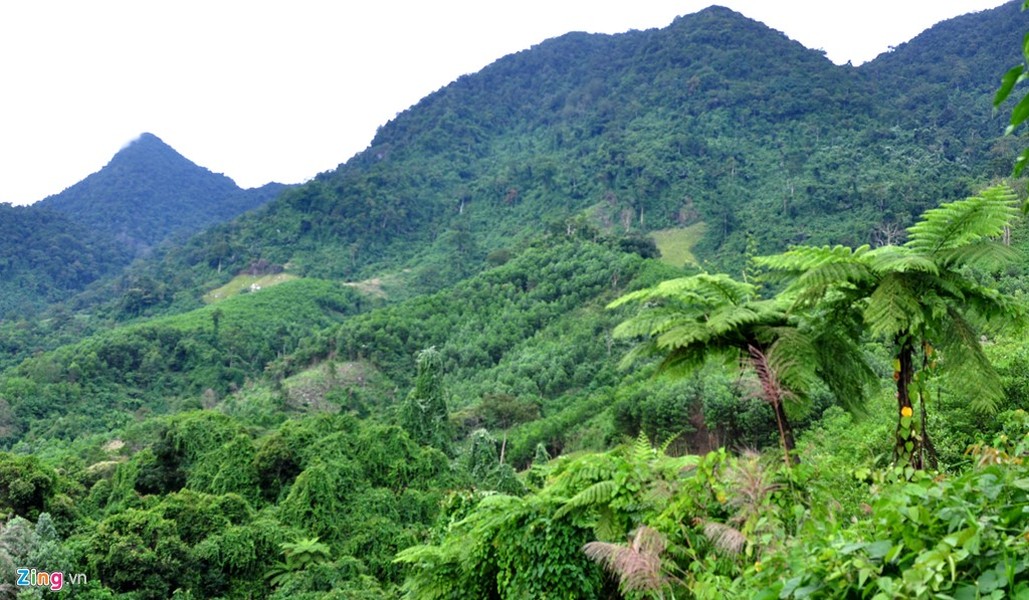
(279,91)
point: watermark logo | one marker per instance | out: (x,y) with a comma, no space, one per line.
(54,581)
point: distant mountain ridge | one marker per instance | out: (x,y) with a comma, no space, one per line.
(45,257)
(148,192)
(715,118)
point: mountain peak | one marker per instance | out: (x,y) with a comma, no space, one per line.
(149,191)
(145,138)
(147,147)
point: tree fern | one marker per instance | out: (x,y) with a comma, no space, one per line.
(690,320)
(917,294)
(893,307)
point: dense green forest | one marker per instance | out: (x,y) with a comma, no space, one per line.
(146,195)
(643,131)
(45,258)
(149,192)
(679,313)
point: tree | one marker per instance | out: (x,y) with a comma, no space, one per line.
(424,413)
(923,299)
(691,319)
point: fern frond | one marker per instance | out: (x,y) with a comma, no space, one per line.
(609,525)
(986,255)
(637,353)
(899,259)
(752,484)
(994,312)
(703,289)
(970,373)
(600,492)
(964,222)
(649,321)
(415,555)
(492,512)
(842,365)
(687,359)
(818,280)
(792,357)
(684,334)
(662,450)
(770,386)
(637,565)
(893,307)
(642,451)
(725,538)
(804,258)
(730,319)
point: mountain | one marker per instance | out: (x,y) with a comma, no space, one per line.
(229,419)
(45,257)
(715,120)
(148,192)
(718,132)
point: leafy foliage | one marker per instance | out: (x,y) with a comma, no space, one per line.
(46,257)
(686,321)
(922,296)
(148,192)
(424,413)
(265,446)
(167,363)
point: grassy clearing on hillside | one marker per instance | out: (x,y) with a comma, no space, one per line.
(245,282)
(676,244)
(353,382)
(370,287)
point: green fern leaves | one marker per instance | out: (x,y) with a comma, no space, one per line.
(925,291)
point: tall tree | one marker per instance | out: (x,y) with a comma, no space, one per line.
(923,299)
(424,412)
(689,320)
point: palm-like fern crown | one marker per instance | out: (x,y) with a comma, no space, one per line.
(923,288)
(685,321)
(967,232)
(689,318)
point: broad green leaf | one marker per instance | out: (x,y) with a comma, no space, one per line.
(989,581)
(1021,112)
(878,549)
(1021,162)
(1007,83)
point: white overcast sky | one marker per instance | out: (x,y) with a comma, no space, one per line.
(280,91)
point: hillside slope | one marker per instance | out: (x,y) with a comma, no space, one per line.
(716,118)
(45,258)
(148,191)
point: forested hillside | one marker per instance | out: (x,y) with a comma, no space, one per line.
(45,258)
(53,251)
(715,119)
(149,192)
(687,313)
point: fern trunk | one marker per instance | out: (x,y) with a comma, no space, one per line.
(906,450)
